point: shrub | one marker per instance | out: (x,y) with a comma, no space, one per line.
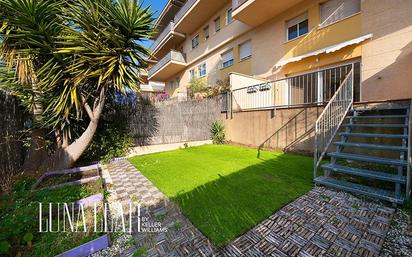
(218,132)
(198,88)
(112,140)
(221,86)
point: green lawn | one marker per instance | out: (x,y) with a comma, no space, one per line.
(226,190)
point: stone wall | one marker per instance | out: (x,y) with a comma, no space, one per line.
(11,126)
(172,121)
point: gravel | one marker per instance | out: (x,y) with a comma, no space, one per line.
(399,238)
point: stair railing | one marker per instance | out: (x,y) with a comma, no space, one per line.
(332,117)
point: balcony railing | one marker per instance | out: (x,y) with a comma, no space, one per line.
(184,10)
(237,3)
(165,32)
(307,89)
(171,56)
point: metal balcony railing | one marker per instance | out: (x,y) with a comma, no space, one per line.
(165,32)
(184,10)
(171,56)
(237,3)
(306,89)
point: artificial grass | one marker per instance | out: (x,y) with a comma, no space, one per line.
(226,190)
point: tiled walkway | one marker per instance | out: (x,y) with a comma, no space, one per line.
(320,223)
(181,237)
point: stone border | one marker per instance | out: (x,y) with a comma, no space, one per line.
(68,171)
(95,245)
(88,248)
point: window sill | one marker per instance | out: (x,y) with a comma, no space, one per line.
(223,68)
(296,38)
(320,26)
(246,58)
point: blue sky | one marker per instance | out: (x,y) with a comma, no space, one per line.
(156,5)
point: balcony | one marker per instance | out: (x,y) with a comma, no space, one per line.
(256,12)
(152,86)
(195,13)
(168,39)
(237,3)
(169,65)
(167,14)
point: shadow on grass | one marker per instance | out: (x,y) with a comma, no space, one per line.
(231,205)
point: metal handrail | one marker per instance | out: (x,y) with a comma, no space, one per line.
(332,117)
(237,3)
(292,77)
(165,32)
(282,127)
(186,7)
(171,56)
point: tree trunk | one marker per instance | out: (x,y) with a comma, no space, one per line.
(67,156)
(37,152)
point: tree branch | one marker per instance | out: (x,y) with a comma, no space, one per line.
(99,105)
(86,106)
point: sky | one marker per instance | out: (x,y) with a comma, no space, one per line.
(156,5)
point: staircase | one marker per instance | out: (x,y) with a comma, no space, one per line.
(371,156)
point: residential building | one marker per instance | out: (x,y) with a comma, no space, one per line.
(302,71)
(272,40)
(150,89)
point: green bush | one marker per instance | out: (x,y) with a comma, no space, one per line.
(218,132)
(112,138)
(19,215)
(111,141)
(198,88)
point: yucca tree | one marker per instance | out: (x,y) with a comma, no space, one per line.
(28,32)
(94,47)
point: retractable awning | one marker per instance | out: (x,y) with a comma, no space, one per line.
(329,49)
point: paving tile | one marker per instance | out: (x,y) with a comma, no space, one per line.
(322,222)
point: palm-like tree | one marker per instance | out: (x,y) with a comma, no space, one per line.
(28,30)
(77,53)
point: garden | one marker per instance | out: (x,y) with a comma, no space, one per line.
(72,115)
(226,190)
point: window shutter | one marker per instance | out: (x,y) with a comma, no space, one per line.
(245,49)
(335,10)
(297,20)
(227,56)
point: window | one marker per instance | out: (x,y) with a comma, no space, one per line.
(206,32)
(202,70)
(297,27)
(217,24)
(245,50)
(192,74)
(335,10)
(229,17)
(227,59)
(195,42)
